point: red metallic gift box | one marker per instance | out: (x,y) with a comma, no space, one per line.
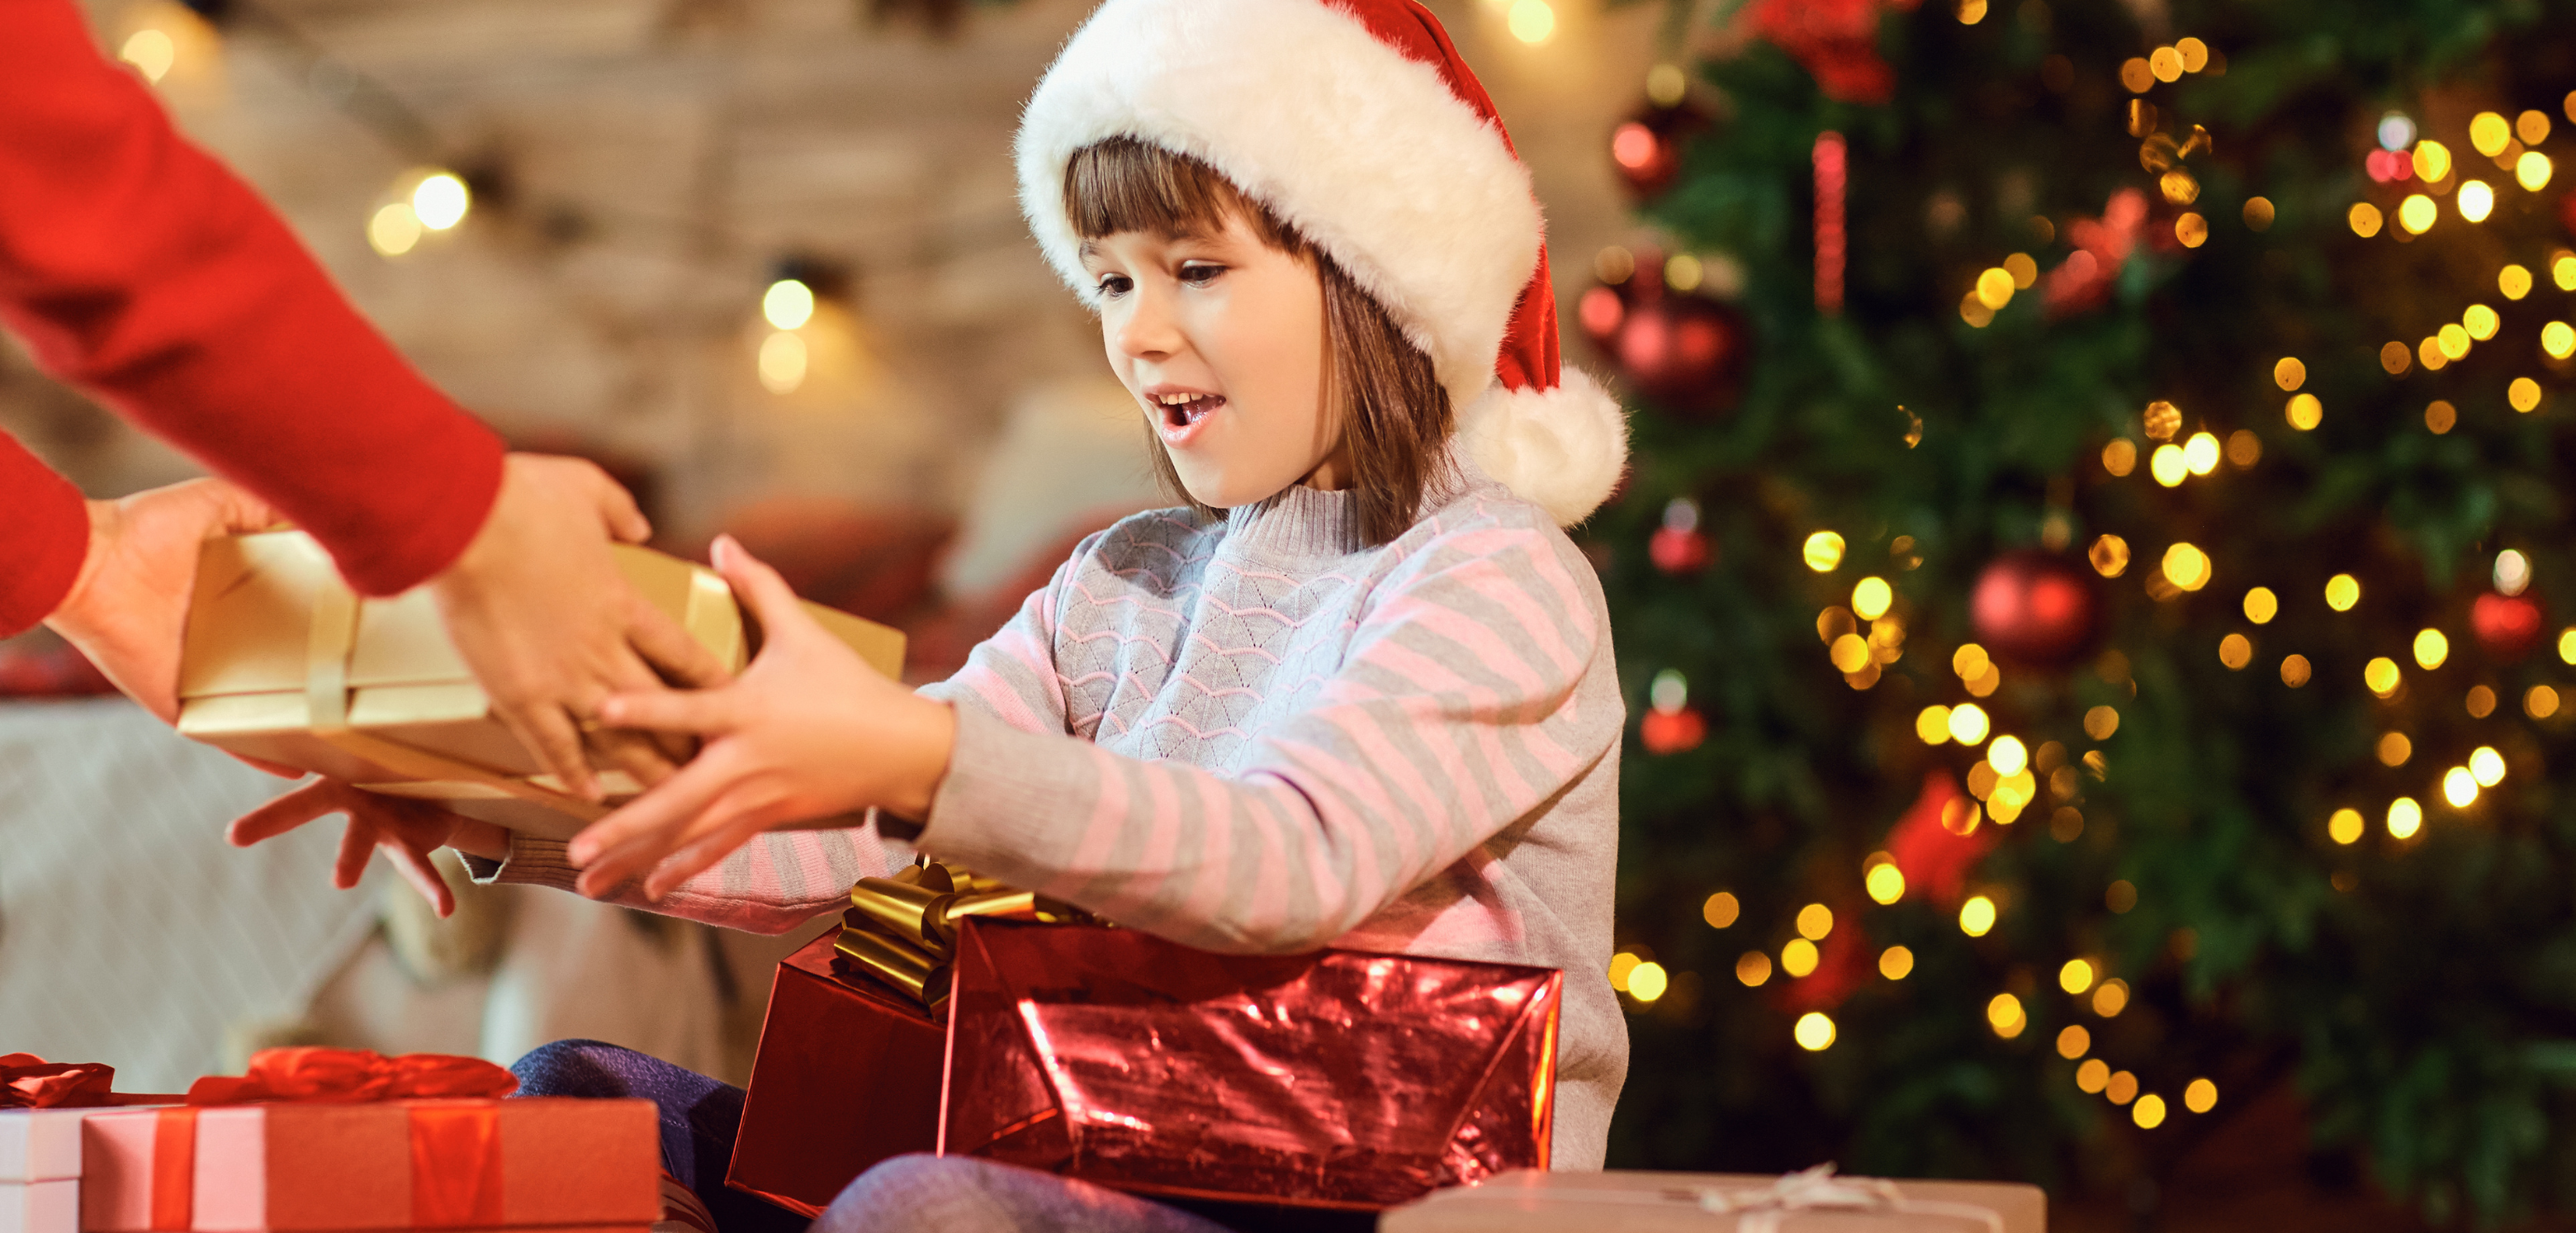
(1338,1079)
(847,1075)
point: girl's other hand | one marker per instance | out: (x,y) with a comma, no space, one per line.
(808,731)
(407,830)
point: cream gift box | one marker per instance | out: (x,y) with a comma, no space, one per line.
(1814,1201)
(40,1166)
(283,663)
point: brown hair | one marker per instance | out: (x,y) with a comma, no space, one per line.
(1395,415)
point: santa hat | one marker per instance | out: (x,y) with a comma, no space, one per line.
(1356,123)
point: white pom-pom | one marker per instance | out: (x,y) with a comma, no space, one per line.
(1562,449)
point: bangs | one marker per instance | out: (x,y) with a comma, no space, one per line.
(1123,184)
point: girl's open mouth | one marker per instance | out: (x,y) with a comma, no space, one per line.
(1182,414)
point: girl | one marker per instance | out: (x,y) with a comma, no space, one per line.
(1358,692)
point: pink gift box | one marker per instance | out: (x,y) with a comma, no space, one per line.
(40,1207)
(399,1164)
(39,1145)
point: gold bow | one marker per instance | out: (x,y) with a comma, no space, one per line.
(903,930)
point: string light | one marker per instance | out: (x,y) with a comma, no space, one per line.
(2486,766)
(2541,702)
(2459,787)
(1895,963)
(2432,161)
(1815,921)
(2100,722)
(2364,218)
(2480,321)
(2345,826)
(2111,998)
(2092,1076)
(1531,21)
(2076,976)
(1968,724)
(440,200)
(2120,457)
(2489,133)
(2200,1096)
(2289,373)
(2074,1042)
(2149,1112)
(1798,958)
(2431,648)
(2304,412)
(1815,1032)
(393,229)
(2261,605)
(2405,817)
(2558,339)
(788,304)
(783,360)
(2109,555)
(2295,671)
(2186,566)
(2562,270)
(2200,453)
(1622,965)
(2394,749)
(1824,551)
(1721,910)
(1933,724)
(2514,281)
(2523,395)
(2532,170)
(1871,598)
(151,52)
(2235,651)
(2008,755)
(2532,127)
(1977,916)
(2122,1088)
(2342,592)
(2381,675)
(1885,883)
(2481,702)
(1648,982)
(2005,1015)
(1753,969)
(2417,213)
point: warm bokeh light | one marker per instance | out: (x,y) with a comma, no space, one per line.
(2289,373)
(2168,465)
(2201,453)
(1753,969)
(151,52)
(440,200)
(2077,976)
(2074,1042)
(1720,910)
(1933,724)
(2295,671)
(2532,170)
(1994,288)
(2432,161)
(2345,826)
(1968,723)
(1885,883)
(2200,1096)
(2110,998)
(2186,566)
(2459,787)
(2532,127)
(2109,555)
(2480,321)
(2004,1014)
(2122,1088)
(1824,551)
(2381,675)
(1815,921)
(2100,722)
(1871,598)
(2149,1112)
(2092,1076)
(1533,21)
(2541,702)
(393,230)
(1648,982)
(2008,756)
(2244,448)
(2523,395)
(2487,766)
(1977,916)
(1621,966)
(2120,896)
(1815,1032)
(2416,213)
(2342,592)
(782,362)
(2304,412)
(2489,134)
(2431,648)
(2476,200)
(2162,420)
(2514,281)
(2453,340)
(2261,605)
(2120,457)
(1895,963)
(2235,651)
(2393,749)
(2558,339)
(2481,702)
(2364,218)
(787,304)
(2405,817)
(2562,270)
(1798,957)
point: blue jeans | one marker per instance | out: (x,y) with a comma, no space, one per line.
(946,1194)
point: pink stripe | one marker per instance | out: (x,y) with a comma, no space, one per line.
(1109,811)
(1209,884)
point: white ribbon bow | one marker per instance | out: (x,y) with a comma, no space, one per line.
(1817,1190)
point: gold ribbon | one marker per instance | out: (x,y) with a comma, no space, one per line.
(903,930)
(333,636)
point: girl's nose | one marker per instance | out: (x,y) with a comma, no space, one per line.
(1148,331)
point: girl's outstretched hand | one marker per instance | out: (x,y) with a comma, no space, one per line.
(808,731)
(407,830)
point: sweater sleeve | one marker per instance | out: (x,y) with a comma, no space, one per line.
(44,535)
(137,267)
(1457,711)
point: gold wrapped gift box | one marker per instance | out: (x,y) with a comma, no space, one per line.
(285,664)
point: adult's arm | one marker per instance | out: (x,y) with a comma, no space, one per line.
(44,530)
(138,268)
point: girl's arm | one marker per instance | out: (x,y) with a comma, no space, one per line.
(1475,691)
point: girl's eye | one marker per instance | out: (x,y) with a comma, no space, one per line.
(1115,284)
(1200,273)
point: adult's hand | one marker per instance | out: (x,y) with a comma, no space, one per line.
(407,830)
(808,731)
(538,609)
(128,609)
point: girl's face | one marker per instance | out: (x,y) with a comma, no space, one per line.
(1221,339)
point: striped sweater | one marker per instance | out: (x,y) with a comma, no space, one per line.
(1252,735)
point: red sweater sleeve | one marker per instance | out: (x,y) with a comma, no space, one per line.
(139,268)
(44,532)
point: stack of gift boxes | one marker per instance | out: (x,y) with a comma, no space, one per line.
(40,1169)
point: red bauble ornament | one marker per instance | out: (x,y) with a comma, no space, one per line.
(2508,626)
(1678,546)
(1646,148)
(2036,608)
(1673,731)
(1683,352)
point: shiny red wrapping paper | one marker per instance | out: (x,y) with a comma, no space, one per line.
(1339,1079)
(847,1074)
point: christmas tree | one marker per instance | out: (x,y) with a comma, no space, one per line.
(2084,590)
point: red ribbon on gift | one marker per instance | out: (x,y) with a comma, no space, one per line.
(455,1148)
(31,1082)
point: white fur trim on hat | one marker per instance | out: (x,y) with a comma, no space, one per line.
(1363,150)
(1562,450)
